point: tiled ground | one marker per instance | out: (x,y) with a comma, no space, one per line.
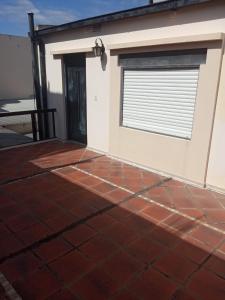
(119,173)
(66,234)
(31,160)
(207,206)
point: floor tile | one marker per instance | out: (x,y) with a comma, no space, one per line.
(104,187)
(157,213)
(101,221)
(119,213)
(139,223)
(53,249)
(121,234)
(82,211)
(61,221)
(33,234)
(145,250)
(216,264)
(183,295)
(153,285)
(125,295)
(79,234)
(9,245)
(21,222)
(62,295)
(122,267)
(180,223)
(207,286)
(39,285)
(95,285)
(98,249)
(207,235)
(118,195)
(193,250)
(166,236)
(71,266)
(175,266)
(20,266)
(135,204)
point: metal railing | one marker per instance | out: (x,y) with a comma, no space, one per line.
(42,122)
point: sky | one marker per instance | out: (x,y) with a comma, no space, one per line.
(13,13)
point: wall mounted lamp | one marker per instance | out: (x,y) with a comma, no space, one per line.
(99,48)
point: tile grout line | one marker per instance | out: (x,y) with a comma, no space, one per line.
(152,201)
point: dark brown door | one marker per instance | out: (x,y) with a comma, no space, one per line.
(75,70)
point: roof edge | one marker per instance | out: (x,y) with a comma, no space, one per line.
(119,15)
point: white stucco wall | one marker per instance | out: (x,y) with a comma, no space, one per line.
(15,67)
(55,93)
(216,170)
(187,159)
(97,103)
(196,20)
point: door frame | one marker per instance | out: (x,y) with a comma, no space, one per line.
(66,94)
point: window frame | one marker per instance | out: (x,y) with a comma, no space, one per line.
(180,67)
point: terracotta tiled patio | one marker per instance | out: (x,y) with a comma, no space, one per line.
(75,224)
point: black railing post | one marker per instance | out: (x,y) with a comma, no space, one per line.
(44,87)
(34,120)
(35,68)
(34,127)
(53,123)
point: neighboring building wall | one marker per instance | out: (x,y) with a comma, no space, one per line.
(181,158)
(15,67)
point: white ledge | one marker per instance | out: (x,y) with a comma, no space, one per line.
(68,51)
(167,41)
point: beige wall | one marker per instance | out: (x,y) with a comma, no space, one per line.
(97,103)
(97,86)
(216,170)
(181,158)
(54,67)
(16,67)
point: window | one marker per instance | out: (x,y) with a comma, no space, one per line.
(160,97)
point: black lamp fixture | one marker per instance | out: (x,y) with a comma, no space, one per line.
(99,48)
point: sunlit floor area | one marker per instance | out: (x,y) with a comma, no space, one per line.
(76,224)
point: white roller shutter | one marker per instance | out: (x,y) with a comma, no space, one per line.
(161,101)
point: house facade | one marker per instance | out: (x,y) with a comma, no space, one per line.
(156,95)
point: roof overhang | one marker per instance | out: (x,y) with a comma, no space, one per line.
(116,16)
(198,38)
(210,37)
(72,50)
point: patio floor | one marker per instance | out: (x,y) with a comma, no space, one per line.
(75,224)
